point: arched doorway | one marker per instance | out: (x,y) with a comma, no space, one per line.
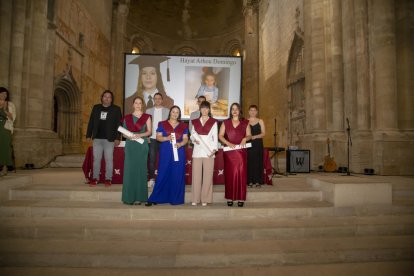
(296,85)
(68,119)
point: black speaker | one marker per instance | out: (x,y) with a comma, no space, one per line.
(298,161)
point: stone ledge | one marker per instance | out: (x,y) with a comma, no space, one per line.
(349,193)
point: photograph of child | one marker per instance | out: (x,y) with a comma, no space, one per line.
(211,82)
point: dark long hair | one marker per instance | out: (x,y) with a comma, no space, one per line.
(205,104)
(179,112)
(239,108)
(4,89)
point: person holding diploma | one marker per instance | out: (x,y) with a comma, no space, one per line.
(170,183)
(235,131)
(204,137)
(135,188)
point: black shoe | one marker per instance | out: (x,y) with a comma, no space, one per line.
(229,203)
(126,203)
(258,185)
(240,204)
(137,203)
(250,185)
(148,204)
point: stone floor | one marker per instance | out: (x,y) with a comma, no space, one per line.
(53,223)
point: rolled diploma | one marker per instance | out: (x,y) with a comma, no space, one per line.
(129,134)
(203,143)
(174,142)
(247,145)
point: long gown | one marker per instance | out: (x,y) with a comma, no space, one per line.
(5,142)
(235,162)
(135,188)
(255,157)
(170,183)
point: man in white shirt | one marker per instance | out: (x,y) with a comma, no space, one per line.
(158,113)
(195,114)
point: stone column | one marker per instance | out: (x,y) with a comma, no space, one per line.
(384,71)
(362,65)
(337,67)
(349,55)
(116,77)
(16,56)
(34,141)
(251,54)
(318,81)
(405,63)
(6,11)
(307,25)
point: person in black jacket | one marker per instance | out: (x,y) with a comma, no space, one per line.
(102,129)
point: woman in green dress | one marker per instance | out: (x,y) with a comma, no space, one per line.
(135,188)
(5,135)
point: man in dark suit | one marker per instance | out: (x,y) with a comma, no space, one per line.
(158,113)
(102,129)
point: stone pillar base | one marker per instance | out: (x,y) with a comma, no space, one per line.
(393,152)
(37,146)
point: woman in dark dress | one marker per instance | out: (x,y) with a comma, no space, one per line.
(255,153)
(235,131)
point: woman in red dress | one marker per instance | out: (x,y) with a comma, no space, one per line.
(235,131)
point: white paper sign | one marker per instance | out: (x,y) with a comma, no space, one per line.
(237,147)
(129,134)
(174,142)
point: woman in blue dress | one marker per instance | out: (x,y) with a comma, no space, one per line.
(170,183)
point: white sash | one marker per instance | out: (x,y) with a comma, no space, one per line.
(174,142)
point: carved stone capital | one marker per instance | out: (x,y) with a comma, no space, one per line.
(250,7)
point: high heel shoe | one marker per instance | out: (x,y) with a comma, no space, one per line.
(240,204)
(229,203)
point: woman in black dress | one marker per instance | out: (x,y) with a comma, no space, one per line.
(255,153)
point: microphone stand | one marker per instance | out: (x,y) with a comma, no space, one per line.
(348,131)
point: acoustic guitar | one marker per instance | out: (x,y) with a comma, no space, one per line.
(330,164)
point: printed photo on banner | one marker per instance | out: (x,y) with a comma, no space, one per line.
(181,79)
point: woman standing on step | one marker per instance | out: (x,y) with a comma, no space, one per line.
(135,188)
(204,137)
(170,183)
(255,153)
(235,131)
(7,117)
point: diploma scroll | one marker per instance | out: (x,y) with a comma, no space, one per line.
(237,147)
(202,143)
(174,142)
(129,134)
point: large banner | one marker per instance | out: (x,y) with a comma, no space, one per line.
(181,79)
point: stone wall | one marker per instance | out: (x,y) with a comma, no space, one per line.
(84,48)
(277,25)
(357,60)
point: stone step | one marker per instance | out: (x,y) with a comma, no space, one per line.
(217,211)
(113,194)
(340,269)
(68,161)
(260,229)
(129,254)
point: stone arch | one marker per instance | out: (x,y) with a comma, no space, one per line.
(185,50)
(231,47)
(68,116)
(295,79)
(143,44)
